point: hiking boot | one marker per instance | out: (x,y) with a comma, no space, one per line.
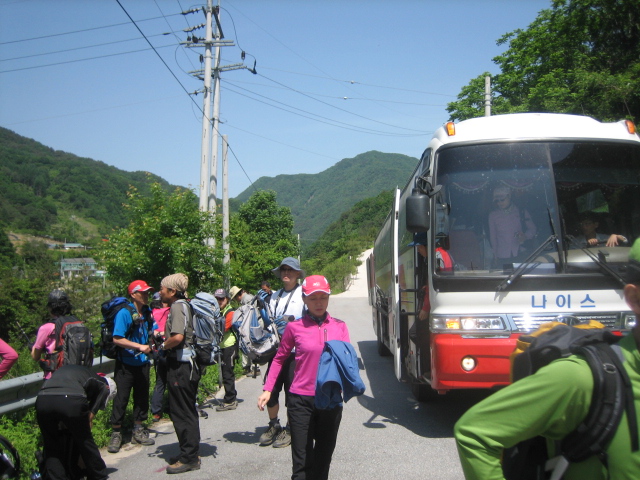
(180,467)
(227,406)
(156,417)
(115,442)
(283,439)
(268,437)
(141,436)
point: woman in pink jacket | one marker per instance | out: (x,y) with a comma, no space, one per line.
(313,431)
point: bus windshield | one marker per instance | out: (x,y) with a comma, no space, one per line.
(578,202)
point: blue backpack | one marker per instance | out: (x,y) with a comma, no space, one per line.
(208,328)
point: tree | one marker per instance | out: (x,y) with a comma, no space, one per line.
(580,57)
(7,252)
(261,235)
(166,234)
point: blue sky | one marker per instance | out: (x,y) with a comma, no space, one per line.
(335,78)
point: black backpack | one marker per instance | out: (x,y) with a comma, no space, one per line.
(109,310)
(9,459)
(74,344)
(612,395)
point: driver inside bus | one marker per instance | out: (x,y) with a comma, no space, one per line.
(509,228)
(591,238)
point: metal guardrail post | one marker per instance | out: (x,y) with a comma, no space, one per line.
(21,392)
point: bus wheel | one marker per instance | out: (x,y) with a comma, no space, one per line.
(423,392)
(383,351)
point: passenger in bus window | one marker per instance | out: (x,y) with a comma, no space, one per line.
(591,238)
(509,228)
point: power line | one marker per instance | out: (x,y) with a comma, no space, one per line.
(85,47)
(79,31)
(338,108)
(308,115)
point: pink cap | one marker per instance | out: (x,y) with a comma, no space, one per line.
(315,283)
(139,286)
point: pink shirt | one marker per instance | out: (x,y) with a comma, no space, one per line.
(46,340)
(160,317)
(9,357)
(308,338)
(504,225)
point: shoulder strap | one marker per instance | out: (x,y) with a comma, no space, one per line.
(275,310)
(612,394)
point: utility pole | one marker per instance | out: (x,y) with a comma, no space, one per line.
(225,201)
(209,147)
(487,96)
(206,113)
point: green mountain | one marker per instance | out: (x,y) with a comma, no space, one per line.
(317,200)
(51,192)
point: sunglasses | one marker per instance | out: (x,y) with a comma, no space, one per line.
(286,270)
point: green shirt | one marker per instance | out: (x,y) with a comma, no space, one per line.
(229,337)
(552,403)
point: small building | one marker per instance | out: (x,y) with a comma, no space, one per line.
(85,266)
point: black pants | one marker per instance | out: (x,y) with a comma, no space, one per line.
(73,413)
(160,387)
(284,380)
(228,377)
(313,437)
(129,378)
(182,380)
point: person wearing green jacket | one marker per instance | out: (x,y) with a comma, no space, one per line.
(229,348)
(552,403)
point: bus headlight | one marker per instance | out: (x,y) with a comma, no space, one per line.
(466,324)
(629,321)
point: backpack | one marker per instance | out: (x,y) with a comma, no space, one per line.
(109,310)
(612,394)
(208,328)
(257,341)
(9,459)
(74,344)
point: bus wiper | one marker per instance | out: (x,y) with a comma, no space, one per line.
(518,272)
(561,254)
(597,260)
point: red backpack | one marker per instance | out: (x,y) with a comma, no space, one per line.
(74,344)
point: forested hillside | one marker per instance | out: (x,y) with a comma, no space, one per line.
(318,200)
(49,192)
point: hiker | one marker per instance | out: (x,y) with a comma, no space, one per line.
(160,312)
(265,291)
(183,375)
(229,348)
(239,295)
(552,403)
(313,431)
(9,357)
(58,305)
(509,228)
(591,237)
(133,365)
(286,302)
(66,406)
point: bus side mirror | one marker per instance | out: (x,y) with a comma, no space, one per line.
(417,208)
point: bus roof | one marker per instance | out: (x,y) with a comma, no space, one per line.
(525,126)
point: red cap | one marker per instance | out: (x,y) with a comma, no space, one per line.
(315,283)
(139,286)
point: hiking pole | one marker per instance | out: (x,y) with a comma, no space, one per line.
(29,342)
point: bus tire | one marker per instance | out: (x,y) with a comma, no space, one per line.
(383,351)
(423,392)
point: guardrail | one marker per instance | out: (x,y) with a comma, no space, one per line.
(21,392)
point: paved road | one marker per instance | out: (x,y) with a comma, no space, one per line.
(385,434)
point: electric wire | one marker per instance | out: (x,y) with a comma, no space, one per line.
(80,31)
(329,121)
(338,108)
